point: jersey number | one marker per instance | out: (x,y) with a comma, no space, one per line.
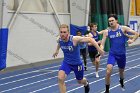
(80,68)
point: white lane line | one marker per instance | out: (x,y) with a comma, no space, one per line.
(131,56)
(80,86)
(137,91)
(47,68)
(56,84)
(124,82)
(28,72)
(48,73)
(101,78)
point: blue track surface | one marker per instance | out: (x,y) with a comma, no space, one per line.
(43,79)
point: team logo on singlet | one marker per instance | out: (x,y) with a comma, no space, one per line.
(70,48)
(117,34)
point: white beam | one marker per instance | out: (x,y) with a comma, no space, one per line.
(87,12)
(15,15)
(55,12)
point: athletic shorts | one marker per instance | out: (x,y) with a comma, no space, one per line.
(92,55)
(78,70)
(120,59)
(83,51)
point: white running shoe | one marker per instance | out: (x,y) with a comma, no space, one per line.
(97,75)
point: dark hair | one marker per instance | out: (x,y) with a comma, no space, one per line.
(114,16)
(92,24)
(78,31)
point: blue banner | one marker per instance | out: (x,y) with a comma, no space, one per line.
(74,29)
(3,47)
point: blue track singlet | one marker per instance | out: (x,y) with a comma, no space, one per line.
(117,41)
(92,48)
(71,52)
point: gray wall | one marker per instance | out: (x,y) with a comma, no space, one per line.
(32,37)
(79,12)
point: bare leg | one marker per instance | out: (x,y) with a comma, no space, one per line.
(97,64)
(61,81)
(121,72)
(85,83)
(108,75)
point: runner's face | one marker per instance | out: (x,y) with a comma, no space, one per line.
(112,21)
(64,33)
(79,34)
(94,28)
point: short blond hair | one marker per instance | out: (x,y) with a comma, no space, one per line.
(64,26)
